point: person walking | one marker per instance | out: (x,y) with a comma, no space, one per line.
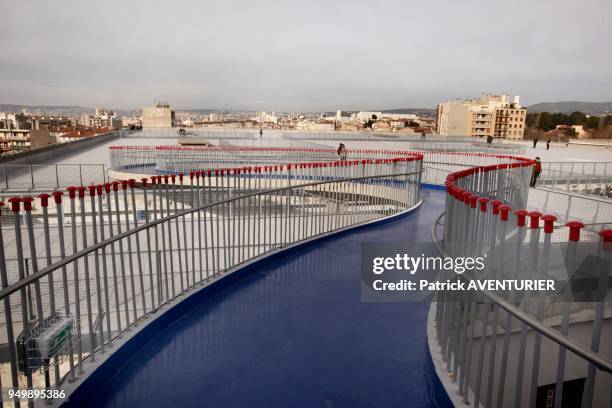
(535,142)
(342,152)
(548,144)
(261,133)
(535,172)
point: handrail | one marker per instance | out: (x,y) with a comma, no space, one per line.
(598,360)
(7,291)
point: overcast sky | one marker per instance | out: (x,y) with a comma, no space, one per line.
(306,55)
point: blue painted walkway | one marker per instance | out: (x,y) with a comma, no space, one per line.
(293,334)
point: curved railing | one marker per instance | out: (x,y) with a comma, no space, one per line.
(281,161)
(521,326)
(122,251)
(177,159)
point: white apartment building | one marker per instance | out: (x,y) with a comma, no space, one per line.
(104,112)
(104,118)
(489,115)
(263,117)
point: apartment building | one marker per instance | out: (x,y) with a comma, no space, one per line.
(160,115)
(104,118)
(489,115)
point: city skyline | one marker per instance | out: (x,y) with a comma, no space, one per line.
(286,57)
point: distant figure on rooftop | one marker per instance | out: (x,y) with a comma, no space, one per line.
(535,172)
(548,144)
(535,142)
(342,152)
(261,133)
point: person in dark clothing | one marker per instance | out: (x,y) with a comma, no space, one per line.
(260,133)
(535,142)
(342,152)
(548,144)
(535,172)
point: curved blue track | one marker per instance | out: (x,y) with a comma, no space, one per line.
(293,334)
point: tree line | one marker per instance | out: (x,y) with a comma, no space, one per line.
(548,121)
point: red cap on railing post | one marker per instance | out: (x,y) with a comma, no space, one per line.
(520,217)
(483,203)
(534,219)
(606,239)
(132,183)
(72,192)
(495,204)
(144,181)
(549,222)
(92,190)
(181,177)
(81,190)
(44,199)
(574,230)
(458,193)
(466,197)
(116,185)
(14,203)
(504,210)
(57,196)
(99,189)
(27,203)
(107,187)
(473,200)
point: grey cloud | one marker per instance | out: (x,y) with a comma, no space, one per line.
(289,55)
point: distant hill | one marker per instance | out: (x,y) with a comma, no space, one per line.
(415,111)
(202,111)
(60,110)
(591,108)
(51,110)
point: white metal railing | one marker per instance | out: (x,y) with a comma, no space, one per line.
(498,345)
(23,177)
(109,255)
(594,212)
(582,177)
